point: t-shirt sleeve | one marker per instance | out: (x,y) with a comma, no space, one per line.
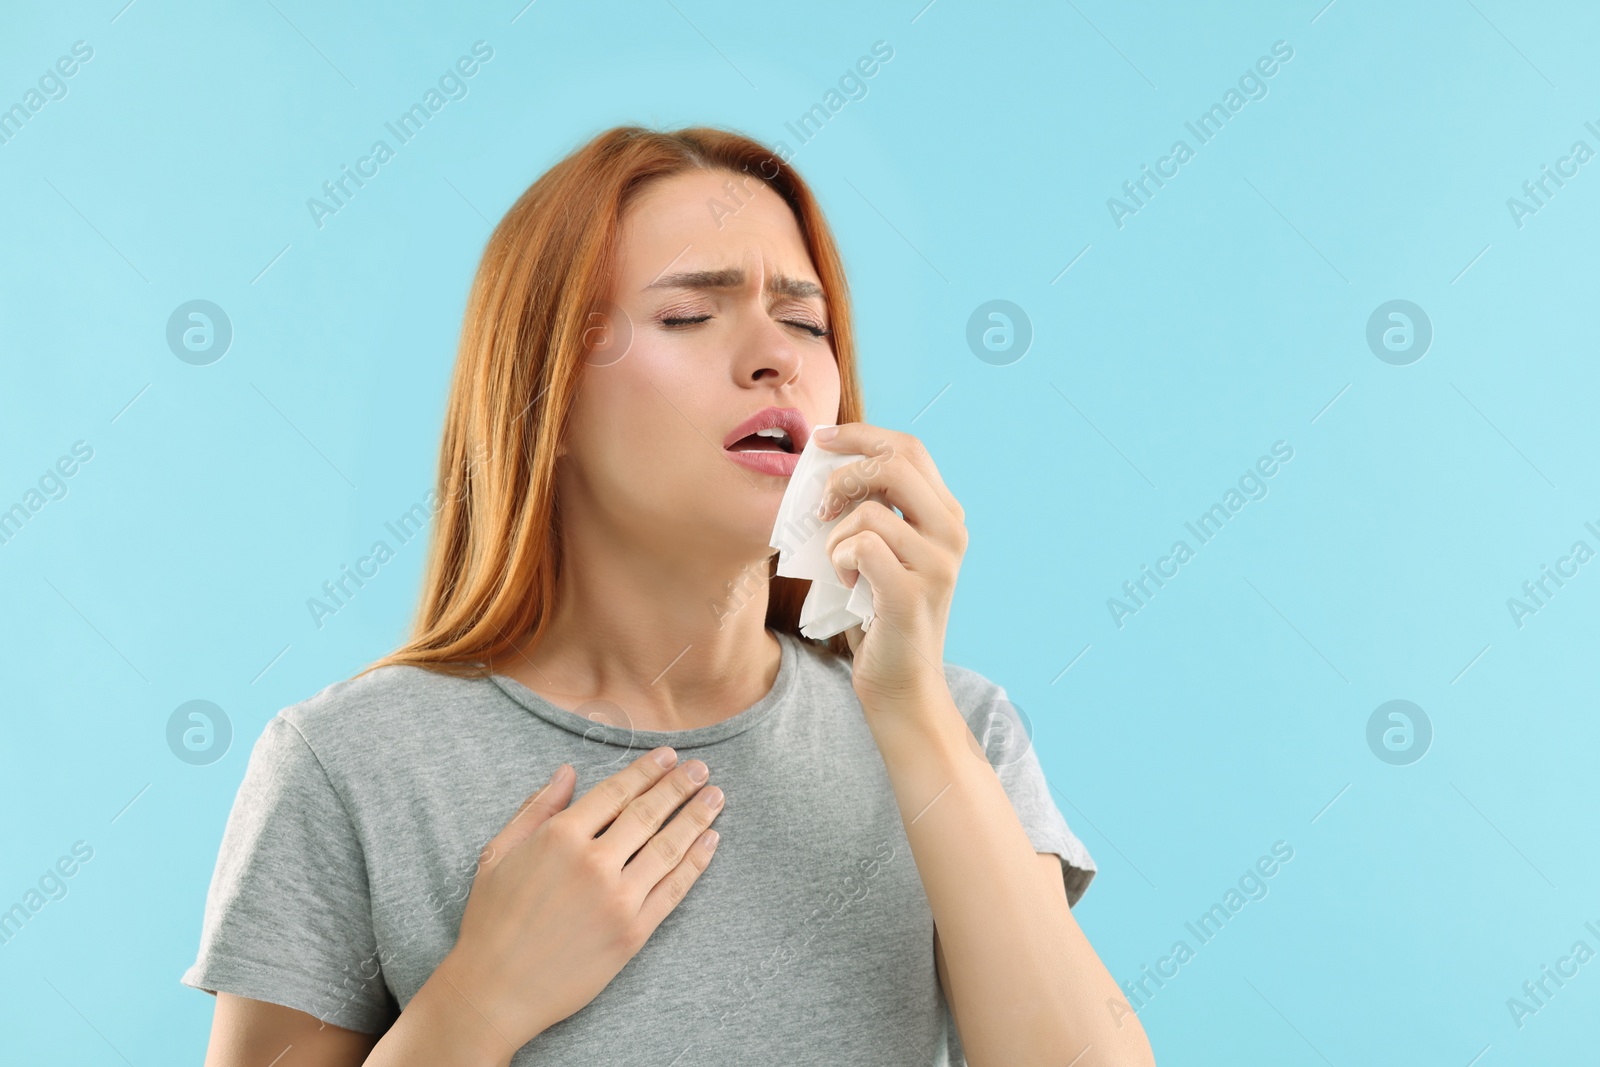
(1003,732)
(288,915)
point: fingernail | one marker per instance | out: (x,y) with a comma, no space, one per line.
(665,756)
(826,433)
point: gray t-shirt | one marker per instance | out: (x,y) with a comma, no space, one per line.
(350,849)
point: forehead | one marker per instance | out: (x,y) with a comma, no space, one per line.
(709,219)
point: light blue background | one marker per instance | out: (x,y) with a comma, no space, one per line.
(1228,314)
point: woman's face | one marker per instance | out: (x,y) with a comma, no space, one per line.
(716,316)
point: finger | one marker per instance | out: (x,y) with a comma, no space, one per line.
(532,814)
(666,850)
(866,553)
(639,821)
(672,889)
(875,441)
(916,552)
(593,811)
(901,485)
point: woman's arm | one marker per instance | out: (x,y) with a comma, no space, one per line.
(251,1033)
(440,1026)
(1023,983)
(247,1031)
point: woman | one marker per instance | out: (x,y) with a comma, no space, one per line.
(654,330)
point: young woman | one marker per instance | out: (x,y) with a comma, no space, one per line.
(654,331)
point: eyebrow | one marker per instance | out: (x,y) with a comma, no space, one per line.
(733,278)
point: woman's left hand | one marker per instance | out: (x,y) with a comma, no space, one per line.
(911,559)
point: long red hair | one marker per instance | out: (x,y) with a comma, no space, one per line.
(546,273)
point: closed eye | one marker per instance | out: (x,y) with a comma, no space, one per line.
(678,322)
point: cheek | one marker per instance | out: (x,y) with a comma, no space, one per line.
(826,371)
(636,419)
(674,401)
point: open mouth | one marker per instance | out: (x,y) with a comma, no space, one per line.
(774,439)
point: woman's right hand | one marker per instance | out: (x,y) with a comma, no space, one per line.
(557,907)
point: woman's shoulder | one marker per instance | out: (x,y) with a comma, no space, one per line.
(972,691)
(380,708)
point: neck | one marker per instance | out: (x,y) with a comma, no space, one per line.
(675,643)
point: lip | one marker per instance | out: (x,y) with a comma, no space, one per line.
(782,464)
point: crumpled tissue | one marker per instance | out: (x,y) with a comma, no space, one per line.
(801,539)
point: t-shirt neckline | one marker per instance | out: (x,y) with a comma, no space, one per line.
(607,733)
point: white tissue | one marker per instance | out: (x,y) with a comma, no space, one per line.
(801,539)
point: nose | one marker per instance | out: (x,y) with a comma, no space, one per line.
(765,355)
